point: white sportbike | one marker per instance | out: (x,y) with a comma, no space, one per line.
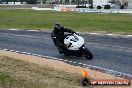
(75,45)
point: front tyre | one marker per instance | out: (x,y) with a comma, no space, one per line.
(87,54)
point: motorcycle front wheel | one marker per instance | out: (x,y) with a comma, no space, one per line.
(87,54)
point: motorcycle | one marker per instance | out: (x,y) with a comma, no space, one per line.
(75,46)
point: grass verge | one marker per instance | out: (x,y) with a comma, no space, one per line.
(93,22)
(19,74)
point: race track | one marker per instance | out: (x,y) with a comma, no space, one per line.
(112,52)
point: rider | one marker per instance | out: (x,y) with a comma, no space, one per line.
(58,36)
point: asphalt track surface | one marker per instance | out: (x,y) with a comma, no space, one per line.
(112,52)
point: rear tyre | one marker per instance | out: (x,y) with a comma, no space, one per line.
(66,54)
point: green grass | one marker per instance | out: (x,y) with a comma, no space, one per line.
(44,20)
(20,74)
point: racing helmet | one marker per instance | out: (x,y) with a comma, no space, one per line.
(58,26)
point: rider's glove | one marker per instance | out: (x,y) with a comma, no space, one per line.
(77,34)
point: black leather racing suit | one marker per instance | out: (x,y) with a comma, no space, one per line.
(58,38)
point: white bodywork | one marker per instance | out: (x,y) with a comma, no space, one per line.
(75,40)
